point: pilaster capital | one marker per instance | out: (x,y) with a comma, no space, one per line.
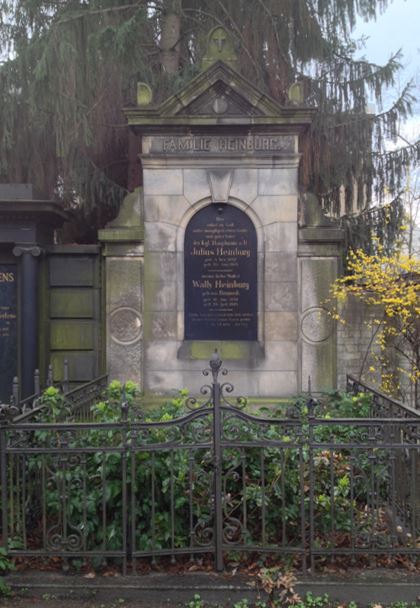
(33,250)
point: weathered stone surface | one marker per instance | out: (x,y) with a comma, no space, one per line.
(281,236)
(281,326)
(244,185)
(160,296)
(130,214)
(160,266)
(243,353)
(160,236)
(277,181)
(161,355)
(281,296)
(160,325)
(272,384)
(280,266)
(124,306)
(316,324)
(168,209)
(220,182)
(271,209)
(319,364)
(124,277)
(125,325)
(317,276)
(196,185)
(163,181)
(163,382)
(316,327)
(282,355)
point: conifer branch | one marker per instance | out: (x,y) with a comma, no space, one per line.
(101,11)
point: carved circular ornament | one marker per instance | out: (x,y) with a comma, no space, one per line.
(125,326)
(220,105)
(316,324)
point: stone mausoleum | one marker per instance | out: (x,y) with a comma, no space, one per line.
(218,249)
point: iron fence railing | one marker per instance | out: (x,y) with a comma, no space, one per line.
(382,405)
(214,481)
(77,400)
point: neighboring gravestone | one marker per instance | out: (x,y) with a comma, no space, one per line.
(8,329)
(220,275)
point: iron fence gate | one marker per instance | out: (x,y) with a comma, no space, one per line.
(217,480)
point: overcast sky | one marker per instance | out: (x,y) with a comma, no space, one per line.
(398,27)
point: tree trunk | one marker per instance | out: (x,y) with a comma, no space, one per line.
(170,37)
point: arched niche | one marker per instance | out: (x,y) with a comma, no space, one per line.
(220,275)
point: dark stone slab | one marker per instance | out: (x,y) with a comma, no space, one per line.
(8,329)
(220,275)
(66,271)
(15,191)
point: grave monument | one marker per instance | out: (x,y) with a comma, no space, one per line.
(219,248)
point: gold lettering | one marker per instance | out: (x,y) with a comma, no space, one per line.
(7,277)
(201,251)
(203,284)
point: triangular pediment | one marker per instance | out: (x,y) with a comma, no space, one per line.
(219,95)
(221,99)
(220,91)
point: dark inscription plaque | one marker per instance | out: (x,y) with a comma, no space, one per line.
(8,330)
(220,275)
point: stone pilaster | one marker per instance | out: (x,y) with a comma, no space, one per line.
(122,242)
(320,251)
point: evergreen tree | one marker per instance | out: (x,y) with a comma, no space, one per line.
(69,66)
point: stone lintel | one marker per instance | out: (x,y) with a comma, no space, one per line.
(220,161)
(140,122)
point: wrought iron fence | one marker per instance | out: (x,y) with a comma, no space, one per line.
(78,400)
(382,405)
(215,481)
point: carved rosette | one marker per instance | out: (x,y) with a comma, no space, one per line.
(125,326)
(316,325)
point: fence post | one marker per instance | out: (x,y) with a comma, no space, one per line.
(311,404)
(4,496)
(66,382)
(15,391)
(37,384)
(49,376)
(125,531)
(215,365)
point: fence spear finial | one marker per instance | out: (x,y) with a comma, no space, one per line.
(215,365)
